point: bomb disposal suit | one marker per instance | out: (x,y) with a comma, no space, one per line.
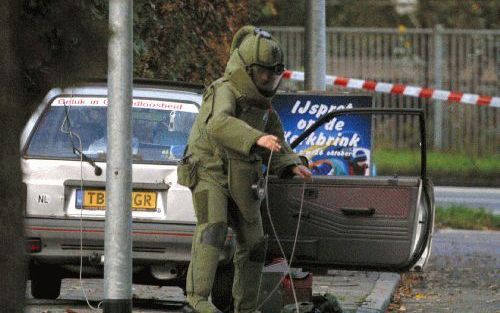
(223,162)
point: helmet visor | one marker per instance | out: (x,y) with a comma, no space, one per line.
(267,78)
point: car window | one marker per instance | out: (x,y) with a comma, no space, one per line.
(365,151)
(160,129)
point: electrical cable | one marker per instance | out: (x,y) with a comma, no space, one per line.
(287,263)
(71,134)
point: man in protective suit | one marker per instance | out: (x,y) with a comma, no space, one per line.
(233,135)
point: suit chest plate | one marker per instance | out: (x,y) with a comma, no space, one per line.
(253,116)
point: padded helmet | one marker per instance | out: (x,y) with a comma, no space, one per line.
(262,56)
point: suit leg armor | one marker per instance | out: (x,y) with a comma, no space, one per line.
(251,246)
(211,206)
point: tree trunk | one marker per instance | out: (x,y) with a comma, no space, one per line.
(12,256)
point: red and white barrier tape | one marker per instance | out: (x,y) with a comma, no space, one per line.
(412,91)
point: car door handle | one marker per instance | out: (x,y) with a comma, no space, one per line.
(305,215)
(358,211)
(311,193)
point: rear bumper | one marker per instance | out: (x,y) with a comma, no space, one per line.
(154,242)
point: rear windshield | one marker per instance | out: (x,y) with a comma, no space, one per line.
(160,129)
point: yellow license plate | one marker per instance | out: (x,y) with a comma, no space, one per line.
(141,200)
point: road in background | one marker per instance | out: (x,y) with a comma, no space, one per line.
(488,198)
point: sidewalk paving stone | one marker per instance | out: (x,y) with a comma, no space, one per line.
(356,291)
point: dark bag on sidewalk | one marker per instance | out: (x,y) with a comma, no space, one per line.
(326,303)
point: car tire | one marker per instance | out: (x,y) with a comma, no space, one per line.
(222,288)
(45,284)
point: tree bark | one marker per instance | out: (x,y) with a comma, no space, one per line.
(12,245)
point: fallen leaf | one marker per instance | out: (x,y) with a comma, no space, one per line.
(420,296)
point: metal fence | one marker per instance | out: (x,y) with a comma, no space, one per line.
(458,60)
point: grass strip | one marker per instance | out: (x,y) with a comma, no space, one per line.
(401,162)
(461,217)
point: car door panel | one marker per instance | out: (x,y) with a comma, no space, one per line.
(351,224)
(357,222)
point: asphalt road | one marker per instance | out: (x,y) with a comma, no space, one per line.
(488,198)
(462,275)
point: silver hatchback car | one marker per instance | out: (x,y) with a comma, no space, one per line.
(64,164)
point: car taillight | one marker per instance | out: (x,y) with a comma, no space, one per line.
(33,245)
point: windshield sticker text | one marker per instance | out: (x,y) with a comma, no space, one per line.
(137,103)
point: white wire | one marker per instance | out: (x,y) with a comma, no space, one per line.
(71,134)
(288,264)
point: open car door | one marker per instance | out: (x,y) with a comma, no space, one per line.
(357,222)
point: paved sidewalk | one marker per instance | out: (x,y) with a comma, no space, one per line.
(357,291)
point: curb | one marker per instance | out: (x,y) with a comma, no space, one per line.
(380,297)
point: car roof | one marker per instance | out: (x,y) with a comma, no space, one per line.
(141,88)
(155,84)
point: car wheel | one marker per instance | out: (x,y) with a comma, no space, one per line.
(45,284)
(222,296)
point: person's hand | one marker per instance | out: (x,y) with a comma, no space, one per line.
(303,172)
(269,142)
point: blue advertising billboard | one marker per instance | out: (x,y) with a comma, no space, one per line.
(340,147)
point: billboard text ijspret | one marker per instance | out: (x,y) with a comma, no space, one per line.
(340,147)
